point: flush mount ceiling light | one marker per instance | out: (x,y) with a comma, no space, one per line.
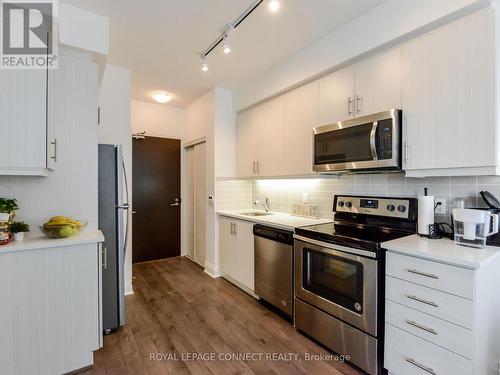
(161,96)
(223,38)
(274,5)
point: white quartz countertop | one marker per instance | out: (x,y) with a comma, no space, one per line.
(40,241)
(443,250)
(277,219)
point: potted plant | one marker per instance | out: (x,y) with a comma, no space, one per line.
(7,208)
(18,228)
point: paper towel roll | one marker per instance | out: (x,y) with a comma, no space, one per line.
(425,213)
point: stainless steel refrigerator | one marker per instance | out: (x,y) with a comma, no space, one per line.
(114,223)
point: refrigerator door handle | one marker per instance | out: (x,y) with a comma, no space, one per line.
(126,206)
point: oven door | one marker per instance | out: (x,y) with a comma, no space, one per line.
(340,283)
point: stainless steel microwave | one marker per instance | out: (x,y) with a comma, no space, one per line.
(365,143)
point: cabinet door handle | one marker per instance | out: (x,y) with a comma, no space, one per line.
(425,274)
(358,104)
(105,258)
(420,366)
(349,104)
(235,228)
(258,167)
(415,298)
(253,167)
(54,142)
(419,326)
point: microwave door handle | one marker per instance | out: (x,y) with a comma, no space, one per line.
(373,145)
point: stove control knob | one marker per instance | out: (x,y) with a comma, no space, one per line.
(348,204)
(401,208)
(340,204)
(390,207)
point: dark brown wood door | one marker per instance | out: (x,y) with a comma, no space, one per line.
(156,193)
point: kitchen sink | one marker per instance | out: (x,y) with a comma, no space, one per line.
(256,213)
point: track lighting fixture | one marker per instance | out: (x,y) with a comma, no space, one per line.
(223,38)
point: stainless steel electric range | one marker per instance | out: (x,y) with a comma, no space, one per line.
(339,275)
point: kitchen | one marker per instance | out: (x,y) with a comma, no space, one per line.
(256,197)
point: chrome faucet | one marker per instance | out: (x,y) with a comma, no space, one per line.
(265,204)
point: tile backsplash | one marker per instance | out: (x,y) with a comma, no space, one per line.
(283,193)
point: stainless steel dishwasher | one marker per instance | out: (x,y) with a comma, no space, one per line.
(274,267)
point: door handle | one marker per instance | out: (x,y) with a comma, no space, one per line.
(425,274)
(349,104)
(105,258)
(358,104)
(174,204)
(54,143)
(420,366)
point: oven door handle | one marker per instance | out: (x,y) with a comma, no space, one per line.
(349,250)
(373,145)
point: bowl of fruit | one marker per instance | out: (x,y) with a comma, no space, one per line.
(62,227)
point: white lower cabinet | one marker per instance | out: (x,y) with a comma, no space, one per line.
(440,318)
(406,354)
(50,318)
(237,252)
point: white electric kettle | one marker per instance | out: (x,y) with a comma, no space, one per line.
(472,227)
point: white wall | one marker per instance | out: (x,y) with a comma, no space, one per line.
(114,100)
(390,23)
(81,29)
(158,120)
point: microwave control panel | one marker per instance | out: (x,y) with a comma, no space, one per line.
(384,139)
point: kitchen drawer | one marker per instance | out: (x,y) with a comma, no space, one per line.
(440,332)
(406,354)
(442,305)
(450,279)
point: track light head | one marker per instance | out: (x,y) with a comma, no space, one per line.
(226,48)
(204,64)
(274,5)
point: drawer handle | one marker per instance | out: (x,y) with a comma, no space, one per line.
(424,328)
(420,366)
(415,298)
(430,275)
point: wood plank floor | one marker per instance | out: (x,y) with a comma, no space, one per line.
(177,309)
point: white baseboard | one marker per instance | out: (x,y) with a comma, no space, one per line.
(211,270)
(128,288)
(240,285)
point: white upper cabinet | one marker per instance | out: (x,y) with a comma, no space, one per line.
(300,117)
(336,96)
(378,83)
(449,96)
(260,140)
(23,124)
(269,141)
(371,86)
(246,143)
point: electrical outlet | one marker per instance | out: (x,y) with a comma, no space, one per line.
(441,207)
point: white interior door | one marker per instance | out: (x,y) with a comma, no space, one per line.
(196,203)
(199,204)
(190,202)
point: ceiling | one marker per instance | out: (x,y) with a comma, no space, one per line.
(160,41)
